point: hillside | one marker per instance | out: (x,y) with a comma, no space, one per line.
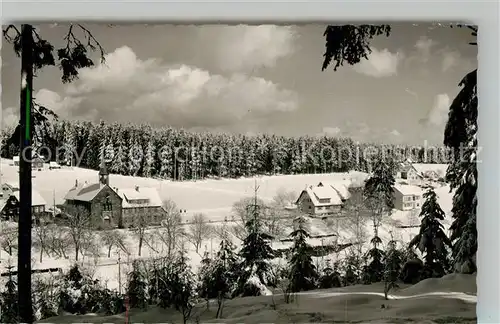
(355,304)
(215,199)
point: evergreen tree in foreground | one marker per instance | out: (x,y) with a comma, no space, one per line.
(224,274)
(393,263)
(256,251)
(9,312)
(431,239)
(302,274)
(183,287)
(137,286)
(460,135)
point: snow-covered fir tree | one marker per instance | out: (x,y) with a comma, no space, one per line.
(137,287)
(119,162)
(392,267)
(9,312)
(183,287)
(431,239)
(135,157)
(149,161)
(460,136)
(256,253)
(303,274)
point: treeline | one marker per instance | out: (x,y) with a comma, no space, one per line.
(142,150)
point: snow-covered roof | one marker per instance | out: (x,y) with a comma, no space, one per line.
(36,198)
(342,187)
(3,202)
(84,192)
(131,195)
(408,190)
(317,193)
(15,158)
(422,168)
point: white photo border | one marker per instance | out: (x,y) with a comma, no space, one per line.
(482,13)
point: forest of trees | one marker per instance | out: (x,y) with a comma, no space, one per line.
(171,153)
(170,281)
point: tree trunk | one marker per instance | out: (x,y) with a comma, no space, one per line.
(77,251)
(220,305)
(140,243)
(41,253)
(109,251)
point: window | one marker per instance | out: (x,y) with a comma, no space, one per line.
(404,175)
(106,205)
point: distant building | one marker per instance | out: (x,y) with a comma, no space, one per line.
(407,197)
(116,207)
(36,162)
(97,199)
(407,172)
(320,201)
(9,202)
(140,202)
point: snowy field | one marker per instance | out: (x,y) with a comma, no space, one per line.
(455,294)
(214,198)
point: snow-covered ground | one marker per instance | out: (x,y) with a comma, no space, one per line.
(214,198)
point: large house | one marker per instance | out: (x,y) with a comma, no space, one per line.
(407,172)
(407,197)
(114,207)
(320,200)
(9,202)
(140,204)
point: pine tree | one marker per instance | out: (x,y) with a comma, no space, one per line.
(375,257)
(224,273)
(431,239)
(9,302)
(256,251)
(460,136)
(393,263)
(136,290)
(378,194)
(302,274)
(149,159)
(183,287)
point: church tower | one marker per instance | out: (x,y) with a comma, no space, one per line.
(103,174)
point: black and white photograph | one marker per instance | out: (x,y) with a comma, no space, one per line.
(212,173)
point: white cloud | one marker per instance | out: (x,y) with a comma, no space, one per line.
(439,112)
(127,89)
(450,60)
(379,64)
(331,130)
(395,132)
(424,46)
(9,116)
(244,48)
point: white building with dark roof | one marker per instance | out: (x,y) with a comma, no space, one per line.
(407,197)
(320,200)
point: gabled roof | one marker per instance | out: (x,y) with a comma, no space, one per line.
(317,193)
(128,196)
(408,190)
(342,187)
(3,202)
(85,192)
(36,198)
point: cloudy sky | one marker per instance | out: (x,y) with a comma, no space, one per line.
(254,79)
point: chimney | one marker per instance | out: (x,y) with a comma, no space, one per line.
(136,188)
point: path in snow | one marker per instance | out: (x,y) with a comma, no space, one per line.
(454,295)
